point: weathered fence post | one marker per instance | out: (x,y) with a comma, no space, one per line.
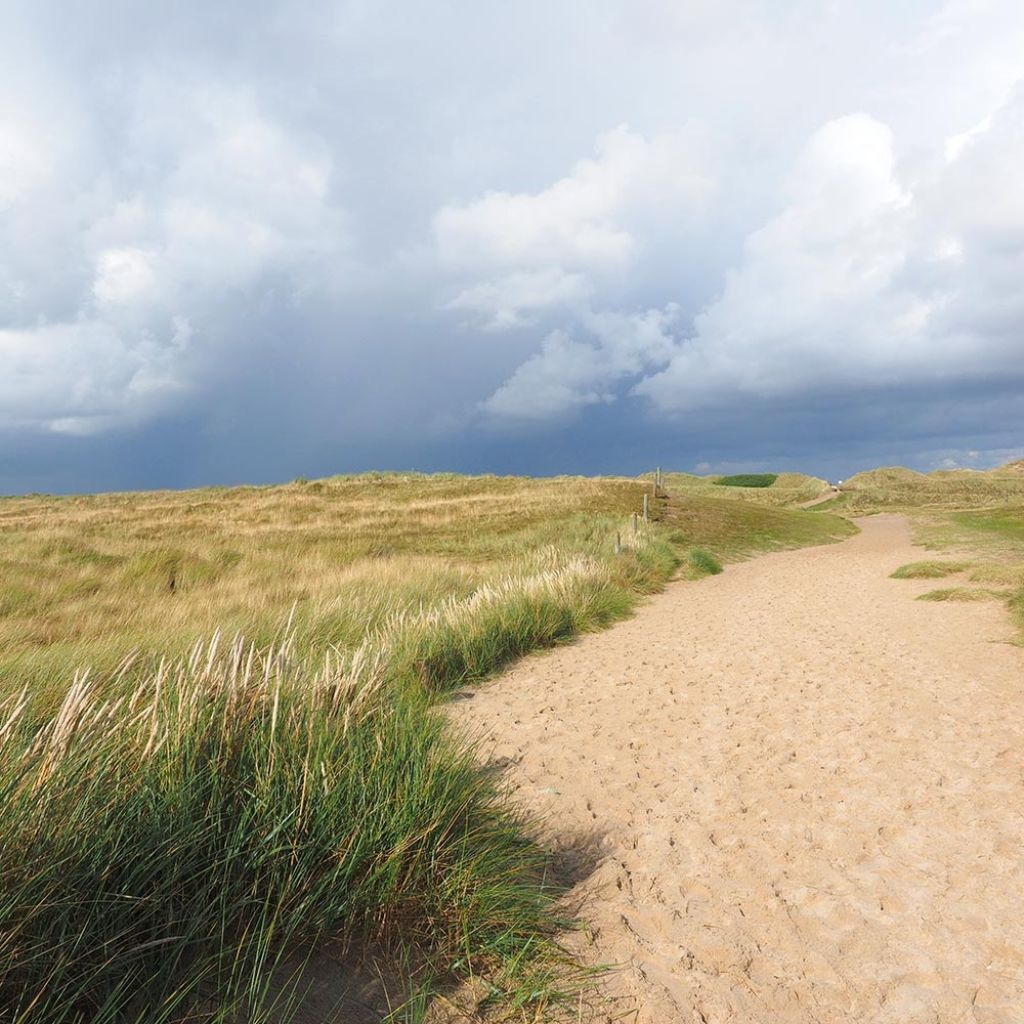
(618,543)
(636,526)
(646,506)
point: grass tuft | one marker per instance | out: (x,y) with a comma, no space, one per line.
(702,563)
(928,570)
(231,807)
(963,594)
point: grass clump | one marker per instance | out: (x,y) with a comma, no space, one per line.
(703,563)
(998,572)
(748,480)
(173,842)
(928,570)
(963,594)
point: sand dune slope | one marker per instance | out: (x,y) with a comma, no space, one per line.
(803,788)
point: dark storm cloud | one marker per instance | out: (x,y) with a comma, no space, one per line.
(252,241)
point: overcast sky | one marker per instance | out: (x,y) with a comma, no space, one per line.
(246,241)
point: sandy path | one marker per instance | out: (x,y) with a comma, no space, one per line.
(820,499)
(805,791)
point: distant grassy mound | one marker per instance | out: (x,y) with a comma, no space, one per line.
(898,488)
(783,490)
(885,476)
(799,481)
(748,480)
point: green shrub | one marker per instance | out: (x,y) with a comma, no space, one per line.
(748,480)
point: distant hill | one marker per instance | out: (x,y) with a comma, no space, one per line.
(788,490)
(885,476)
(897,486)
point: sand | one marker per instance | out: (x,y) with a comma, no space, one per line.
(789,793)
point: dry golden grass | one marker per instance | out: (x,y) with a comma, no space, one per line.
(84,580)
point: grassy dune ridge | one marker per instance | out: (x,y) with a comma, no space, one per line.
(786,490)
(219,741)
(899,489)
(736,529)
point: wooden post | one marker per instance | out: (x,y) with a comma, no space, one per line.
(646,507)
(635,526)
(618,543)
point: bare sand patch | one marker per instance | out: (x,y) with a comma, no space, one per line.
(804,790)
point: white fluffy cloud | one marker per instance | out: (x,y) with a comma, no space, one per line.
(863,280)
(83,378)
(553,247)
(243,207)
(568,374)
(866,277)
(509,301)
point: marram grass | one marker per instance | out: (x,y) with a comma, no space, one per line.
(229,808)
(179,825)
